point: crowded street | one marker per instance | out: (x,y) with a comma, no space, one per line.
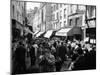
(51,55)
(52,37)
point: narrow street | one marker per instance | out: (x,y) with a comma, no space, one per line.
(52,37)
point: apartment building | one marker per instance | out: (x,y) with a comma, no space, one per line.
(18,13)
(59,15)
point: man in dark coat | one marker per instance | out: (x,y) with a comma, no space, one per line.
(61,52)
(20,58)
(88,61)
(32,55)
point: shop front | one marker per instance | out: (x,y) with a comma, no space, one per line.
(62,33)
(91,30)
(91,33)
(75,33)
(17,29)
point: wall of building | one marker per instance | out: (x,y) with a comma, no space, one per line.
(36,20)
(30,16)
(18,11)
(76,16)
(45,13)
(59,16)
(91,14)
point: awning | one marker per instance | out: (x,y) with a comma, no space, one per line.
(75,30)
(38,34)
(28,30)
(15,33)
(48,33)
(63,32)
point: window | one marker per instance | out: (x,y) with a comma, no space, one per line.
(77,21)
(53,17)
(64,16)
(70,22)
(60,5)
(92,11)
(19,4)
(57,15)
(65,4)
(13,10)
(60,15)
(51,9)
(56,6)
(64,13)
(64,23)
(17,15)
(64,10)
(20,18)
(60,24)
(42,16)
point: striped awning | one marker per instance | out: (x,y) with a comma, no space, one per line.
(48,33)
(63,32)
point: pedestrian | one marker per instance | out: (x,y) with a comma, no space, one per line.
(61,56)
(20,58)
(53,50)
(32,55)
(50,61)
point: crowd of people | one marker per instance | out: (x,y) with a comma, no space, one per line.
(49,55)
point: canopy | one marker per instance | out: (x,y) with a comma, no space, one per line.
(75,30)
(38,34)
(63,32)
(28,31)
(48,33)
